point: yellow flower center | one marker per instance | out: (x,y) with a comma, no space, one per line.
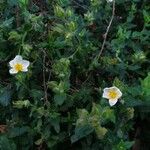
(19,67)
(112,94)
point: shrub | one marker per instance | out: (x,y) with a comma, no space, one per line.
(75,49)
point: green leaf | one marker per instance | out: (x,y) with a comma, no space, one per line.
(55,124)
(83,117)
(7,23)
(12,2)
(21,104)
(108,114)
(128,144)
(81,132)
(100,132)
(59,11)
(123,145)
(132,102)
(39,141)
(23,3)
(6,144)
(17,131)
(36,94)
(60,98)
(146,85)
(13,35)
(5,96)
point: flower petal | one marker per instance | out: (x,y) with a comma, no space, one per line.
(18,58)
(106,89)
(112,102)
(119,93)
(25,63)
(13,71)
(25,69)
(12,63)
(105,93)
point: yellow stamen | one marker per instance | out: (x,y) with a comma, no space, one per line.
(112,94)
(19,67)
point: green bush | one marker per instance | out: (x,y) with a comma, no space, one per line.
(72,50)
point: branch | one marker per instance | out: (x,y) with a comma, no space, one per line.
(108,28)
(17,17)
(82,6)
(44,80)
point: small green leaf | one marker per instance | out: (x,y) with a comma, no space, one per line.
(146,85)
(6,144)
(5,96)
(17,131)
(13,35)
(59,99)
(23,3)
(81,132)
(36,94)
(39,141)
(123,145)
(55,124)
(100,132)
(12,2)
(108,114)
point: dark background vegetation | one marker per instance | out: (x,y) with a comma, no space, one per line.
(76,48)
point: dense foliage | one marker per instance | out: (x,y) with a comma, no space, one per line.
(76,48)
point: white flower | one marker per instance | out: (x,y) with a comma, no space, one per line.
(18,65)
(113,94)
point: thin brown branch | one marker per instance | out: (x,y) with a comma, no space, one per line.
(17,17)
(105,38)
(78,4)
(44,78)
(107,30)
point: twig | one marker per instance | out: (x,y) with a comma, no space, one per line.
(84,7)
(105,38)
(108,28)
(87,78)
(44,80)
(17,17)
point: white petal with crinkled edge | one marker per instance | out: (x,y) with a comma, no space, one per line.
(119,93)
(25,69)
(112,102)
(105,93)
(12,63)
(106,90)
(18,58)
(25,63)
(13,71)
